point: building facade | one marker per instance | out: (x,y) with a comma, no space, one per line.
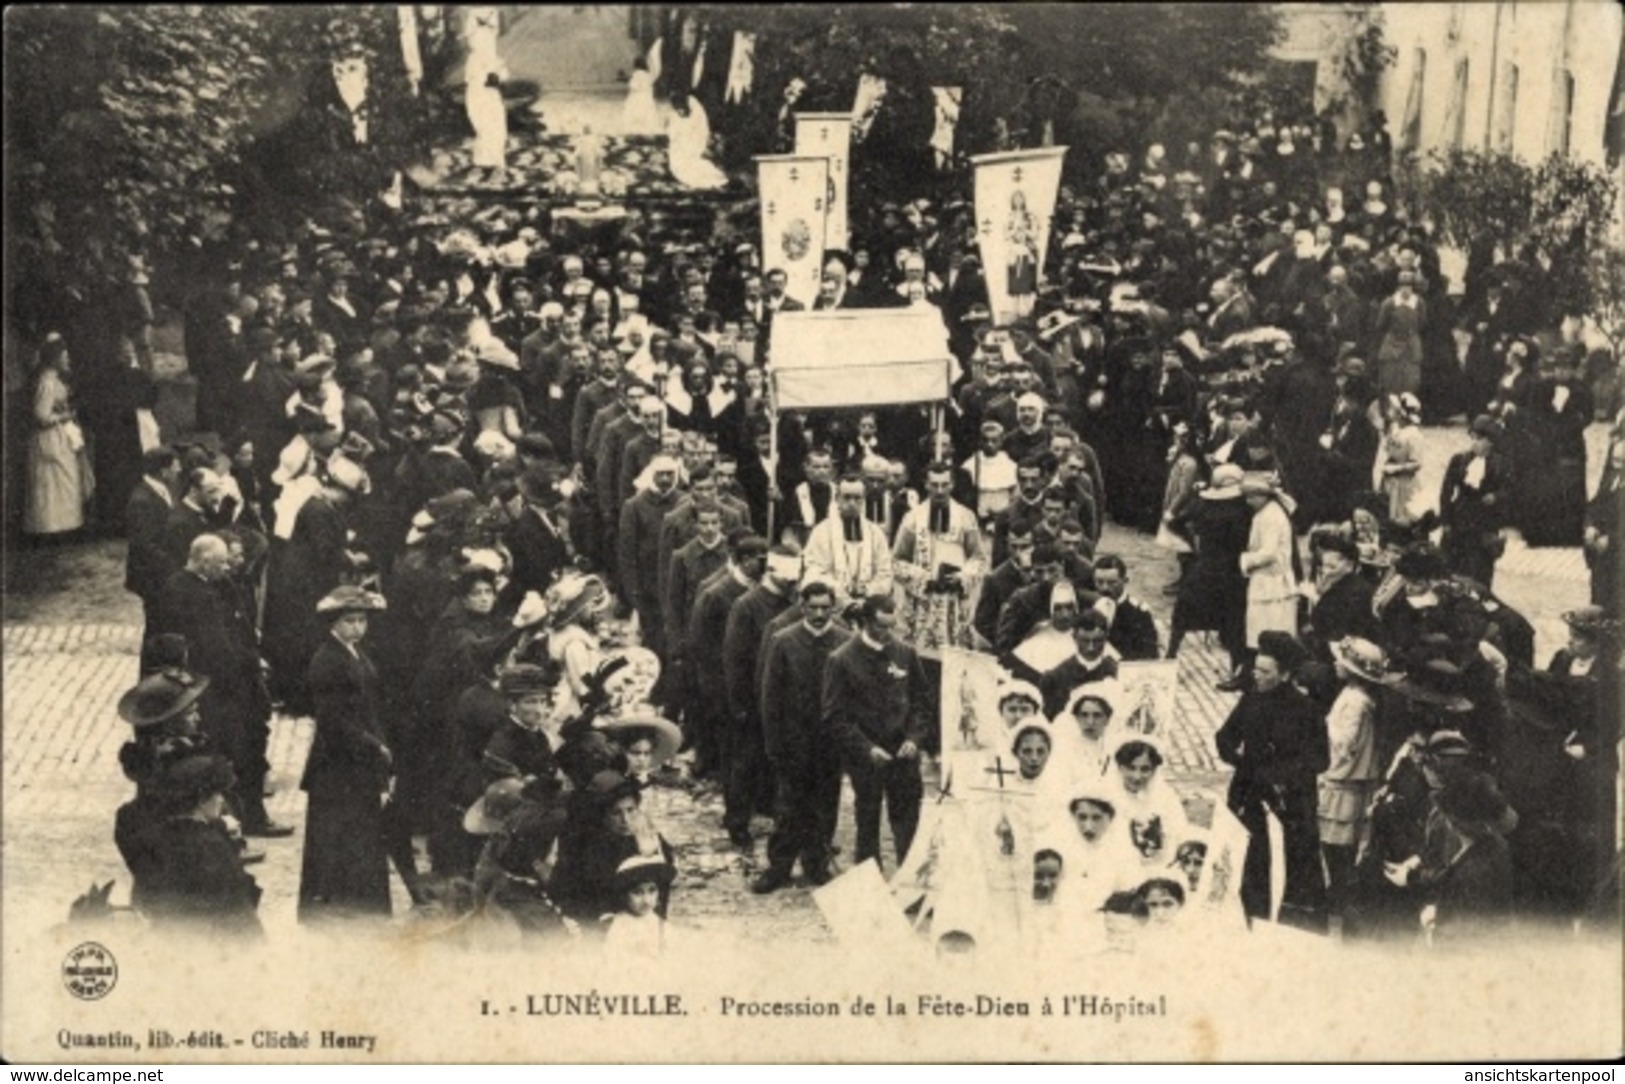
(1528,78)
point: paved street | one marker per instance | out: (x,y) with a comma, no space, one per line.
(70,644)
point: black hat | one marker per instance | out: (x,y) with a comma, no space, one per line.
(161,697)
(608,787)
(1281,647)
(1421,562)
(524,679)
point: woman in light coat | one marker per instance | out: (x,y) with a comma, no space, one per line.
(1268,561)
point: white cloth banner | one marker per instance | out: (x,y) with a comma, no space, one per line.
(858,357)
(794,194)
(866,103)
(829,135)
(411,53)
(1015,206)
(947,101)
(741,67)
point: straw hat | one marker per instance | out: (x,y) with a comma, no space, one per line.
(1365,660)
(348,599)
(663,733)
(1225,484)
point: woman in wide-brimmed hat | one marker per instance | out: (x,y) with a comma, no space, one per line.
(163,710)
(650,742)
(346,868)
(1270,560)
(1352,777)
(607,826)
(575,604)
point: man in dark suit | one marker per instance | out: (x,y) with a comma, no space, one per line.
(806,765)
(146,564)
(192,515)
(877,708)
(538,538)
(748,778)
(193,605)
(707,627)
(1133,629)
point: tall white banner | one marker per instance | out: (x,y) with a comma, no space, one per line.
(794,191)
(829,135)
(1015,207)
(946,102)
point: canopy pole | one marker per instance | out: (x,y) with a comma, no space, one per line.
(772,460)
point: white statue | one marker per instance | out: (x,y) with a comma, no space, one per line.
(483,91)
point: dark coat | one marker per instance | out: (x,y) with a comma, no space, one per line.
(742,646)
(346,868)
(707,627)
(198,880)
(1213,593)
(638,544)
(147,563)
(875,699)
(689,567)
(792,690)
(1058,685)
(217,649)
(1344,610)
(1134,631)
(540,553)
(997,590)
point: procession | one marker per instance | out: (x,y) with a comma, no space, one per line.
(627,512)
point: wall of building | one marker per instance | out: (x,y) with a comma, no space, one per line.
(1527,77)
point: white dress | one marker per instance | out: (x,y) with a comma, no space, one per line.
(59,475)
(690,136)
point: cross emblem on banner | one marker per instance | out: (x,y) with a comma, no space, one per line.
(987,225)
(1016,176)
(795,174)
(772,208)
(999,770)
(823,133)
(818,205)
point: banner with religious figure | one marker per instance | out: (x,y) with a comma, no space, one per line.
(829,135)
(866,104)
(1015,206)
(794,191)
(946,103)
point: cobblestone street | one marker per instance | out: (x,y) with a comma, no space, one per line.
(63,675)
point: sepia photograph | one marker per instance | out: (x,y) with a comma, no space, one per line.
(813,533)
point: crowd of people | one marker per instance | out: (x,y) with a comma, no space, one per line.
(506,518)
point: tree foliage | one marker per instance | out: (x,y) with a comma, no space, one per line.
(131,129)
(1562,207)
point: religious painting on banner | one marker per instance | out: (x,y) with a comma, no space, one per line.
(970,711)
(829,135)
(1148,701)
(794,191)
(1015,207)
